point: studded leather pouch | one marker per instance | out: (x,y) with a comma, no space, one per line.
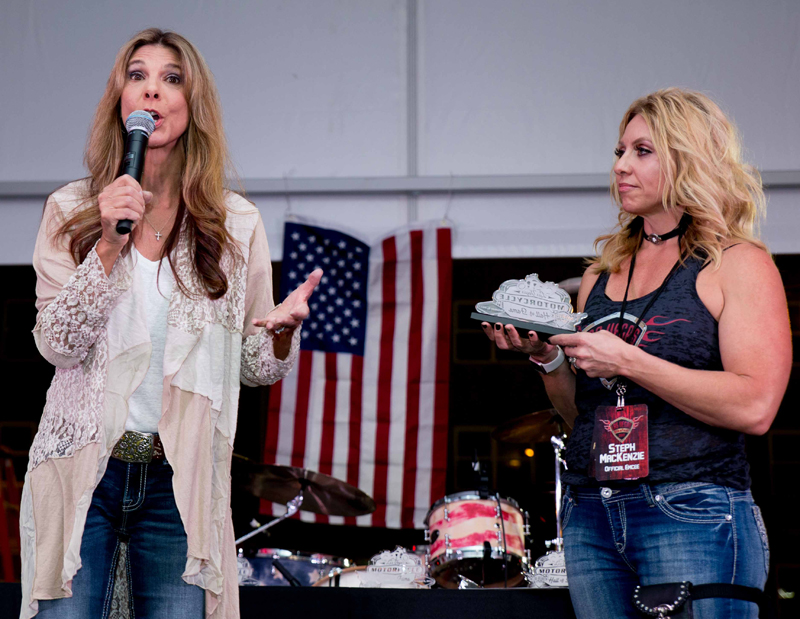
(674,599)
(669,600)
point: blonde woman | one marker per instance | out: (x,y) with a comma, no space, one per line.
(151,333)
(688,330)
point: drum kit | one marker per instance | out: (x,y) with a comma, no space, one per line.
(474,539)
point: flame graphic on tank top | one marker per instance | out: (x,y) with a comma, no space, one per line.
(631,325)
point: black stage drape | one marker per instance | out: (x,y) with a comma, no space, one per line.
(330,603)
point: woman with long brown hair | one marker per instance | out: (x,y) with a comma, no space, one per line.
(686,348)
(150,333)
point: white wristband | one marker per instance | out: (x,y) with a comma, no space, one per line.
(546,368)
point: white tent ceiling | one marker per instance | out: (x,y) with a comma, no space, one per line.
(369,112)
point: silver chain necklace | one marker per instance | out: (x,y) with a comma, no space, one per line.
(157,232)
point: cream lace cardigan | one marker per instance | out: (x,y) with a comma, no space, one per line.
(93,329)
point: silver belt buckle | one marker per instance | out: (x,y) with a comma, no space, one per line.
(134,447)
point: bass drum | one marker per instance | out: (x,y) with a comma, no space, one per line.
(479,537)
(259,570)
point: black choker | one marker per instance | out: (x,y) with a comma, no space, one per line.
(657,239)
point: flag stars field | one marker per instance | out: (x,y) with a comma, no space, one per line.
(340,296)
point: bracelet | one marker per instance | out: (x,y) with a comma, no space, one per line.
(546,368)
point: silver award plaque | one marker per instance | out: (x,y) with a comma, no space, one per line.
(398,569)
(530,305)
(548,571)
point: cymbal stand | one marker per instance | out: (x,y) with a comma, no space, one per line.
(558,447)
(292,507)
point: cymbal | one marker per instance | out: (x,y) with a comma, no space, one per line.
(322,494)
(570,285)
(535,427)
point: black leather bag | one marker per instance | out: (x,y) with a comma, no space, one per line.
(674,599)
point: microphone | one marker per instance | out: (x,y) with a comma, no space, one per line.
(139,126)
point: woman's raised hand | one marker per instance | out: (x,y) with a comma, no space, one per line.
(293,310)
(122,199)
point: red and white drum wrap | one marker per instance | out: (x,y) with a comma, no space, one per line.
(462,521)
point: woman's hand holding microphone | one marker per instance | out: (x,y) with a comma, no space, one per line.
(122,199)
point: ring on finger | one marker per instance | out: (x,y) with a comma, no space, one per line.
(573,361)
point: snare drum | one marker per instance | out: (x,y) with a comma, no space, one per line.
(473,535)
(308,568)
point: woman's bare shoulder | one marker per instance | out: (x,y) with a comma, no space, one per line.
(743,262)
(588,281)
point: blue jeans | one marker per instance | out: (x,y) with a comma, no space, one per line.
(665,533)
(133,503)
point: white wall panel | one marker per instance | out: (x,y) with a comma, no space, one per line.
(524,87)
(484,225)
(20,224)
(781,231)
(369,217)
(567,223)
(309,87)
(521,225)
(318,88)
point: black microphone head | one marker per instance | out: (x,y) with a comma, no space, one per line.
(140,121)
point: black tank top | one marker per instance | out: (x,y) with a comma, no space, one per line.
(679,329)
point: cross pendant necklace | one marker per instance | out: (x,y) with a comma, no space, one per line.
(157,232)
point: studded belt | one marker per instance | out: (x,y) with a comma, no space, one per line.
(138,447)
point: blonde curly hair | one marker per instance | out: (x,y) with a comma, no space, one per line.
(700,154)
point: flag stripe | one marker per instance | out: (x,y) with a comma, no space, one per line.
(328,424)
(287,417)
(304,360)
(354,437)
(413,380)
(430,335)
(271,439)
(384,395)
(369,397)
(328,416)
(441,400)
(314,427)
(397,429)
(341,431)
(273,423)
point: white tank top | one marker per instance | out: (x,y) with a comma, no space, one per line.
(144,406)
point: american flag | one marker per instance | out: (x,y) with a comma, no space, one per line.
(367,402)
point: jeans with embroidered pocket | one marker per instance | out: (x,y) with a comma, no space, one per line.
(615,539)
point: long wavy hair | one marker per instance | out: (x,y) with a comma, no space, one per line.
(700,154)
(201,212)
